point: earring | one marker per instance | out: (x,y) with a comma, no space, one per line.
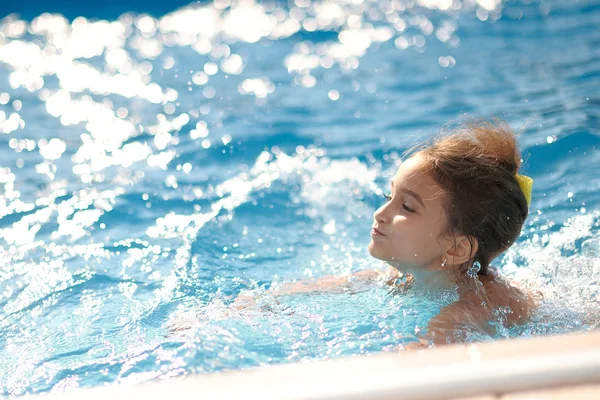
(444,263)
(475,268)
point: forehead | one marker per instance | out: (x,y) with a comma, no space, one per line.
(413,168)
(413,175)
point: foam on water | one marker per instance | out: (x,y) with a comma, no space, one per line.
(156,167)
(564,266)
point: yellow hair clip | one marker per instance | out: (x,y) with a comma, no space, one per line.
(525,183)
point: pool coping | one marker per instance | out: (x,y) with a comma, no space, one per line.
(499,367)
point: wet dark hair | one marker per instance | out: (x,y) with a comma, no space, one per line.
(476,166)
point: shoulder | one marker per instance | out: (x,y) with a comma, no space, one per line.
(469,312)
(456,320)
(501,293)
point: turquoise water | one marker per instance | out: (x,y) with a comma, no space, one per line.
(154,168)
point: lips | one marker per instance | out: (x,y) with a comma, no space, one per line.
(376,232)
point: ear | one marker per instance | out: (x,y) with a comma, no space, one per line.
(459,249)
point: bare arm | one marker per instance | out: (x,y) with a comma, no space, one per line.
(332,284)
(326,284)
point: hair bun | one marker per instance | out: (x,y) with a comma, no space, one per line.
(496,142)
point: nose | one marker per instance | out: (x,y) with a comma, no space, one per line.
(380,214)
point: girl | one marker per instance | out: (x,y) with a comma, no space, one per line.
(454,206)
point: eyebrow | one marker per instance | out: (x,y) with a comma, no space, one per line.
(411,193)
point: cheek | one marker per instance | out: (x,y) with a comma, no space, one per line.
(417,234)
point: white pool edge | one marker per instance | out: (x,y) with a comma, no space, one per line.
(449,372)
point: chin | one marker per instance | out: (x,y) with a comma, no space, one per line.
(371,248)
(374,251)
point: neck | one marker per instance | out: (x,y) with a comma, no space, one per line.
(435,278)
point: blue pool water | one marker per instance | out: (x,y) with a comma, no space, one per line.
(153,167)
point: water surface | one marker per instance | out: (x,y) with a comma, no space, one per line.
(154,166)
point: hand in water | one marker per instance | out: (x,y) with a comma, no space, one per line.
(420,345)
(183,323)
(243,302)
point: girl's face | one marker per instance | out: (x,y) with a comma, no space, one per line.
(408,226)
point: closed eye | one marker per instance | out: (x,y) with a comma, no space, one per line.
(388,197)
(407,208)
